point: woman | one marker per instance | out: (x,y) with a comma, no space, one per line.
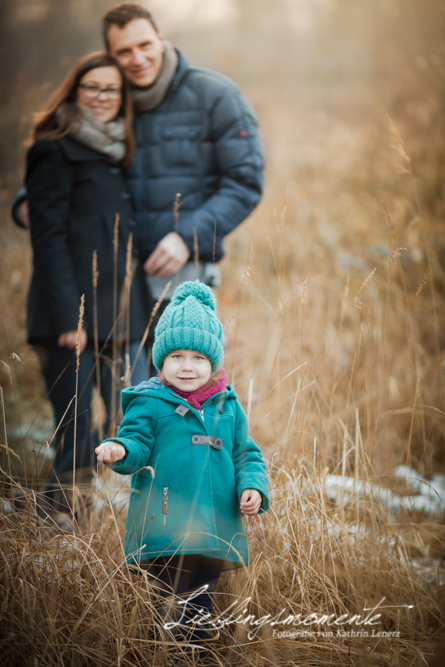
(80,208)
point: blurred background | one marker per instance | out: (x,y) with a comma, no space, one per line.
(348,56)
(350,96)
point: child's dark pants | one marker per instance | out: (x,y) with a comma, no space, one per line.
(181,575)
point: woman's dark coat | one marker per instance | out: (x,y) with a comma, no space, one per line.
(74,196)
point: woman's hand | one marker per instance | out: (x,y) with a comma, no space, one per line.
(69,339)
(250,502)
(23,214)
(110,452)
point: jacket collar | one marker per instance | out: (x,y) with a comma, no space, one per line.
(75,151)
(181,72)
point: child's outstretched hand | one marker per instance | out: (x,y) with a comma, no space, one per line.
(250,502)
(110,452)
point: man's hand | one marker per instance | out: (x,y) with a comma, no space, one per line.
(22,213)
(168,257)
(250,502)
(69,340)
(110,452)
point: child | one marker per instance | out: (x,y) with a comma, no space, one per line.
(184,521)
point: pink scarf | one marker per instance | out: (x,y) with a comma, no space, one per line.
(199,396)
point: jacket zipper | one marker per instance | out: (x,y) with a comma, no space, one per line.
(212,398)
(165,504)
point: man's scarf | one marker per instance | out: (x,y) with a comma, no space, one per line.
(145,99)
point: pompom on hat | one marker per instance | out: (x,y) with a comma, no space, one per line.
(190,323)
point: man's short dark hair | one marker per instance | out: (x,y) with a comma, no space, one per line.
(123,14)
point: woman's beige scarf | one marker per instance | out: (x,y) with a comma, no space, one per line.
(106,138)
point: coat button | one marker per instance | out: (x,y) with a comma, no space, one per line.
(196,439)
(125,195)
(218,443)
(115,171)
(221,409)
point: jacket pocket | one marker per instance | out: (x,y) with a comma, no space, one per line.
(180,145)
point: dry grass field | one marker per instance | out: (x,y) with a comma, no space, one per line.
(333,303)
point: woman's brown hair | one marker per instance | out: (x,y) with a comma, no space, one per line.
(45,122)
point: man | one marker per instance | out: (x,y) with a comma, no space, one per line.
(197,136)
(197,145)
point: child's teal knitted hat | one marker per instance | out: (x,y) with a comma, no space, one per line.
(190,323)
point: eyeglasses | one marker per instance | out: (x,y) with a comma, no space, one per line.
(91,91)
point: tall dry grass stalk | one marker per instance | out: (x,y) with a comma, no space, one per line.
(176,207)
(127,289)
(5,447)
(95,276)
(78,352)
(114,407)
(196,252)
(150,322)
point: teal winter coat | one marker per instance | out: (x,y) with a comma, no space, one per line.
(189,468)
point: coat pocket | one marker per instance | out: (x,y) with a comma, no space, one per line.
(180,145)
